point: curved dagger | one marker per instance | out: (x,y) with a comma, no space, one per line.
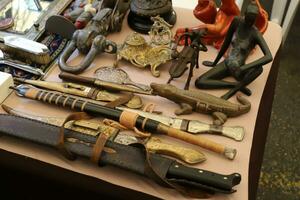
(126,157)
(93,128)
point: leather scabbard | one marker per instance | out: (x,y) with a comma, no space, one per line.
(163,170)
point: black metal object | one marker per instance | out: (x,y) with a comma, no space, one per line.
(243,37)
(141,11)
(188,57)
(91,40)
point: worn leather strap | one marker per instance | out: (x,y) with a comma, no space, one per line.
(61,141)
(131,158)
(128,119)
(99,147)
(120,101)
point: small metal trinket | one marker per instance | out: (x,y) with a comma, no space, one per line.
(142,54)
(28,50)
(19,65)
(188,57)
(119,76)
(160,33)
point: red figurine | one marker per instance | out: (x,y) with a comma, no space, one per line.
(217,22)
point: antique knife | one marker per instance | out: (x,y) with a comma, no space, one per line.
(94,127)
(126,118)
(194,126)
(84,91)
(163,170)
(191,126)
(102,84)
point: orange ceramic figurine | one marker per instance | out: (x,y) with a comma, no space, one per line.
(217,22)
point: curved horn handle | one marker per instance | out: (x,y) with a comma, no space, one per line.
(100,44)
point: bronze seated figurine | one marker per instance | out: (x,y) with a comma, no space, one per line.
(243,37)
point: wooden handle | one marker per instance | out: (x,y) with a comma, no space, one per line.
(76,78)
(198,140)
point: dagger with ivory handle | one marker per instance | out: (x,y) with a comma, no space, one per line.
(126,118)
(96,127)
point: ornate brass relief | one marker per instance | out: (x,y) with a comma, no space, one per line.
(142,54)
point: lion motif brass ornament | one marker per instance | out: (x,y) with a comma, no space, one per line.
(142,54)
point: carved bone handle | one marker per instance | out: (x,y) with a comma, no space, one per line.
(188,155)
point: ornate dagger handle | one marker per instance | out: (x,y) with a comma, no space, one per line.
(126,118)
(197,140)
(188,155)
(194,126)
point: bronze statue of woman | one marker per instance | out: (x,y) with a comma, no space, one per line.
(243,37)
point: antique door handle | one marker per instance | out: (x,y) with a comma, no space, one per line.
(85,43)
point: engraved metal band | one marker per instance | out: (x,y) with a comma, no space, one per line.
(45,97)
(83,105)
(184,125)
(65,101)
(74,102)
(144,123)
(40,95)
(58,97)
(51,97)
